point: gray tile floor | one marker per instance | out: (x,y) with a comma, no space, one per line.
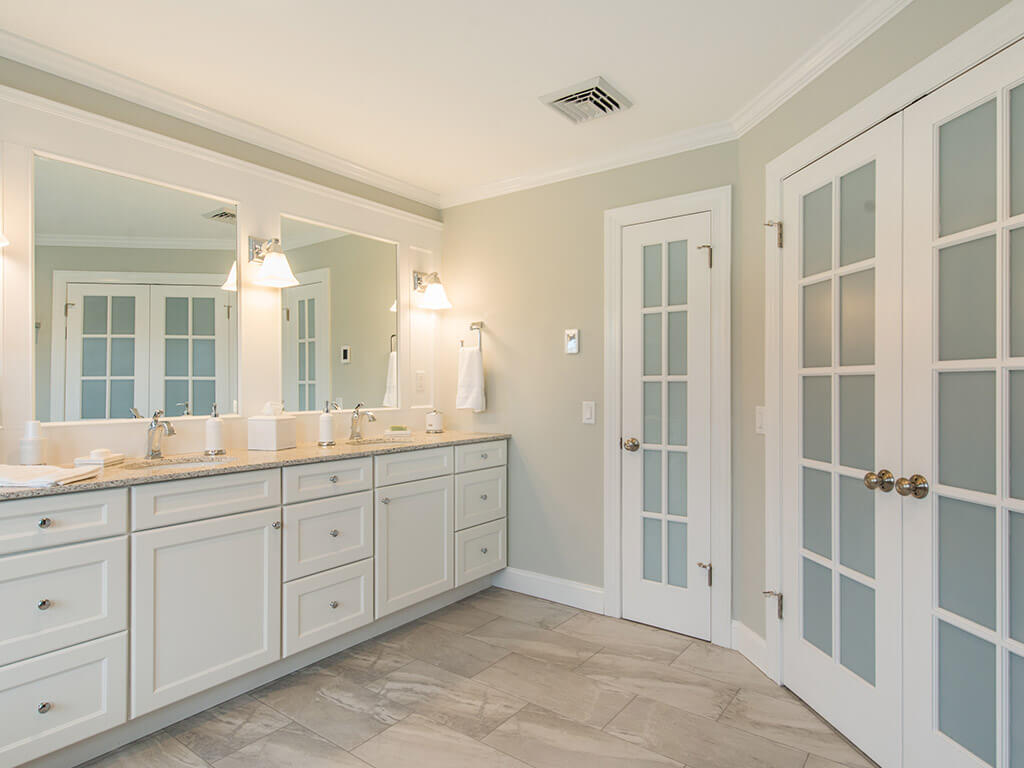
(501,679)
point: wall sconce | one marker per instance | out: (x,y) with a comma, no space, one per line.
(4,242)
(231,284)
(431,292)
(274,271)
(394,306)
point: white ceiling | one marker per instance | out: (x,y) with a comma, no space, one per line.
(440,100)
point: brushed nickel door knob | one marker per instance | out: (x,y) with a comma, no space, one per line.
(45,522)
(883,481)
(915,485)
(333,533)
(632,444)
(333,604)
(44,707)
(43,604)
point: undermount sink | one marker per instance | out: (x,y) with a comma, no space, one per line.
(178,462)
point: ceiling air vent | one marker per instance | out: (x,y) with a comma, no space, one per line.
(225,214)
(585,101)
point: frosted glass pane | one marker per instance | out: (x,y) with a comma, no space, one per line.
(677,554)
(94,399)
(817,417)
(176,357)
(652,549)
(203,395)
(1016,558)
(967,170)
(677,272)
(1017,165)
(967,300)
(302,318)
(652,481)
(122,398)
(857,628)
(122,357)
(857,421)
(311,322)
(311,360)
(677,343)
(817,605)
(818,324)
(122,314)
(302,397)
(652,344)
(94,315)
(1016,711)
(677,413)
(857,318)
(817,230)
(817,512)
(967,560)
(302,360)
(857,215)
(856,525)
(311,398)
(1016,426)
(676,483)
(175,391)
(652,412)
(967,430)
(1017,291)
(652,275)
(94,357)
(203,358)
(967,691)
(202,317)
(176,316)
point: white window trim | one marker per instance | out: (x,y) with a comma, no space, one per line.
(719,202)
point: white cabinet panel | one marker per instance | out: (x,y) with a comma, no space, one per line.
(413,525)
(54,700)
(481,455)
(479,497)
(206,605)
(62,519)
(181,501)
(58,597)
(317,481)
(403,467)
(479,551)
(327,533)
(326,605)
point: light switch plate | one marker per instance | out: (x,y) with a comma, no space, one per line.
(759,416)
(589,412)
(421,381)
(572,341)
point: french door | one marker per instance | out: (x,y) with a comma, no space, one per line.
(306,334)
(666,535)
(841,540)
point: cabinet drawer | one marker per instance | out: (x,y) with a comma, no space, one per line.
(479,497)
(316,481)
(62,596)
(181,501)
(481,455)
(327,533)
(55,700)
(413,465)
(62,519)
(479,551)
(327,605)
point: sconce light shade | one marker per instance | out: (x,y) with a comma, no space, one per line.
(274,271)
(231,284)
(394,306)
(430,290)
(4,241)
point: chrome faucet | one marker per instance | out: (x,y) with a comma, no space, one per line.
(155,434)
(357,432)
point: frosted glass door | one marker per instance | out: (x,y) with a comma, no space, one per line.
(963,420)
(666,401)
(841,373)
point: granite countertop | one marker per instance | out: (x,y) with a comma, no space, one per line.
(120,476)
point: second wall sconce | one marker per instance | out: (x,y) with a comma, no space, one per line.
(430,290)
(4,242)
(274,271)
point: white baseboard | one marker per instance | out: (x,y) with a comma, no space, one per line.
(750,644)
(574,593)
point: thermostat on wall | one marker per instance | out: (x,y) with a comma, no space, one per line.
(346,354)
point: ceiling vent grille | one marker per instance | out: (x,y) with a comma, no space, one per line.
(225,214)
(585,101)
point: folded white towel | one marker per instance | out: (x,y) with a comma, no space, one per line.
(391,385)
(470,393)
(42,476)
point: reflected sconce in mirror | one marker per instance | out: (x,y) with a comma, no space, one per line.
(427,285)
(274,271)
(4,242)
(394,306)
(231,284)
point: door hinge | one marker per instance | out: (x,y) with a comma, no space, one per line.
(778,231)
(287,315)
(228,308)
(710,252)
(67,306)
(708,568)
(778,599)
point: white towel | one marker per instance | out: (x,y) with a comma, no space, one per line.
(42,476)
(391,385)
(470,393)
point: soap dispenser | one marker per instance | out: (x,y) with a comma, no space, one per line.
(215,434)
(326,429)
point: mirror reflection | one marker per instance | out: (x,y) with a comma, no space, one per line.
(339,331)
(133,305)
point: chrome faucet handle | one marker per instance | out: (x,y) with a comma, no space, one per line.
(188,411)
(157,415)
(135,413)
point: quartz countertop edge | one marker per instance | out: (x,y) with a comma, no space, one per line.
(250,461)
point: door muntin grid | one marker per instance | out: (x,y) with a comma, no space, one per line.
(108,368)
(190,354)
(307,354)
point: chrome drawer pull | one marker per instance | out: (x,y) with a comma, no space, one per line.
(45,522)
(483,497)
(43,604)
(333,478)
(333,604)
(44,707)
(333,532)
(276,525)
(483,550)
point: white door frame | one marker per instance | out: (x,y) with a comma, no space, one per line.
(980,42)
(718,202)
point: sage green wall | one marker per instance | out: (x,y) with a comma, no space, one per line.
(530,264)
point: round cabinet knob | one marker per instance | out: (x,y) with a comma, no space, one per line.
(883,481)
(45,522)
(43,604)
(333,478)
(483,497)
(483,456)
(44,707)
(276,525)
(385,500)
(632,444)
(915,485)
(483,550)
(333,604)
(333,532)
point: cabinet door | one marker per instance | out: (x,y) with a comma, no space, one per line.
(413,534)
(206,605)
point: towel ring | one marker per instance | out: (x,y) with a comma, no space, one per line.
(394,341)
(478,327)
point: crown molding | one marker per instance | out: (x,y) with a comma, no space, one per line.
(114,241)
(63,65)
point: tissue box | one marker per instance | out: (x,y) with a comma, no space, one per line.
(271,433)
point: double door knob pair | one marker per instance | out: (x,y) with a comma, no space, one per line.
(883,480)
